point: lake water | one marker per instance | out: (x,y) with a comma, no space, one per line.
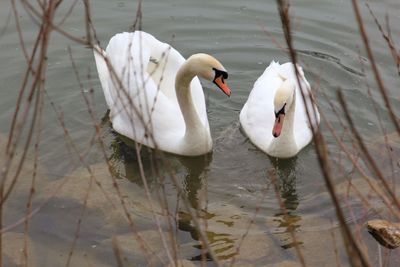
(232,186)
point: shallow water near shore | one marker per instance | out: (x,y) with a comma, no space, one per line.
(231,188)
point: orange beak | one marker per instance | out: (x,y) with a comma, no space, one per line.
(276,131)
(219,81)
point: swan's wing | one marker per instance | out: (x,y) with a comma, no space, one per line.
(163,65)
(149,116)
(303,133)
(164,62)
(257,116)
(137,104)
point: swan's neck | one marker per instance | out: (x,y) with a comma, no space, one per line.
(195,131)
(285,144)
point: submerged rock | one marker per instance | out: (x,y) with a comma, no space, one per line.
(105,196)
(144,246)
(106,218)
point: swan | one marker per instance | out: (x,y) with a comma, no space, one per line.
(154,95)
(274,116)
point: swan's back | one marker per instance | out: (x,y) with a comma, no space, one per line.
(134,94)
(145,55)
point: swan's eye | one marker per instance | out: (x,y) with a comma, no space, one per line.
(220,73)
(281,111)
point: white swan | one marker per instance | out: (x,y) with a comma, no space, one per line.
(274,116)
(157,100)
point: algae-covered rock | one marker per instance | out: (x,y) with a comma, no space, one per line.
(104,195)
(145,247)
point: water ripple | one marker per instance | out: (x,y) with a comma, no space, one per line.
(330,58)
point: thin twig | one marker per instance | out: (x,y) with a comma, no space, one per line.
(378,78)
(356,255)
(387,38)
(371,162)
(117,252)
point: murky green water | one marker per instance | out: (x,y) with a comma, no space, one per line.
(235,177)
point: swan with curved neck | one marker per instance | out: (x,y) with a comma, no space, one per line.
(207,67)
(274,116)
(156,98)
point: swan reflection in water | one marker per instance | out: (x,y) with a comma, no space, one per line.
(189,170)
(287,219)
(191,173)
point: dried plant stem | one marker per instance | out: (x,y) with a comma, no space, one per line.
(22,91)
(257,210)
(7,22)
(18,26)
(26,148)
(38,80)
(88,21)
(133,226)
(149,198)
(389,151)
(142,242)
(137,25)
(12,143)
(78,225)
(34,211)
(33,183)
(273,40)
(371,162)
(34,13)
(68,13)
(335,248)
(387,38)
(117,252)
(275,183)
(353,160)
(171,218)
(356,255)
(202,235)
(137,110)
(378,78)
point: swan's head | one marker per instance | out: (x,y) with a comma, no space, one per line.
(282,102)
(211,69)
